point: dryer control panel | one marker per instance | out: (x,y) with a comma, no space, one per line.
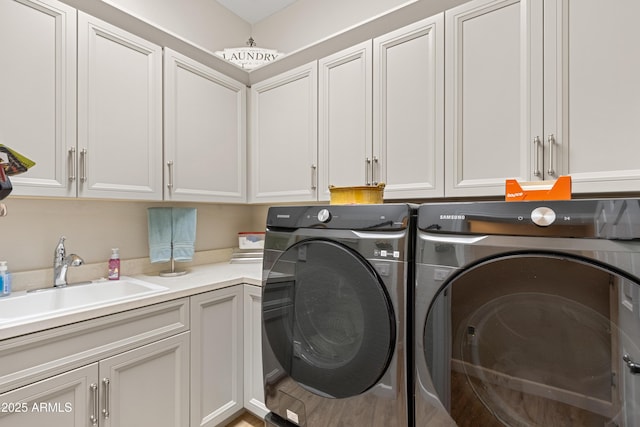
(592,218)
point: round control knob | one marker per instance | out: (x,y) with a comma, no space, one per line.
(543,216)
(324,215)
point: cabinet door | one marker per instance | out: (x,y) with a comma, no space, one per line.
(408,103)
(205,128)
(38,92)
(593,92)
(345,119)
(284,140)
(65,400)
(216,356)
(493,94)
(119,113)
(253,378)
(147,386)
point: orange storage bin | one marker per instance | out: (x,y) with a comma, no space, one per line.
(560,190)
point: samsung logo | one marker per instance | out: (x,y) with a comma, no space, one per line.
(283,216)
(448,216)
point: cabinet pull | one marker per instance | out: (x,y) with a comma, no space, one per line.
(83,163)
(73,158)
(367,167)
(93,389)
(314,184)
(106,389)
(375,168)
(552,147)
(170,174)
(536,155)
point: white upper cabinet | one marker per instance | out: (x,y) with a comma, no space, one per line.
(204,133)
(345,150)
(119,113)
(38,92)
(493,94)
(284,139)
(537,89)
(408,117)
(592,93)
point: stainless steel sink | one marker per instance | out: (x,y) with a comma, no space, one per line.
(24,306)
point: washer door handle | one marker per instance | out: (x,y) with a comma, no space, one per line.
(633,366)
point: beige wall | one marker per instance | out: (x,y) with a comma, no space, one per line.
(306,22)
(32,227)
(205,23)
(209,25)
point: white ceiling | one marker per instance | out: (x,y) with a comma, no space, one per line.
(253,11)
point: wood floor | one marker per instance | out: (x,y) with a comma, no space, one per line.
(246,420)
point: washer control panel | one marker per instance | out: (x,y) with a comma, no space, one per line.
(543,216)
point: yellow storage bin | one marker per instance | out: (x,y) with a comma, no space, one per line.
(365,195)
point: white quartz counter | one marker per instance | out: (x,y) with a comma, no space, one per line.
(198,279)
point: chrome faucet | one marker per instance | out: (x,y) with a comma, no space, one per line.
(62,262)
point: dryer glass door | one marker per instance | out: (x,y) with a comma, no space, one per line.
(539,340)
(328,318)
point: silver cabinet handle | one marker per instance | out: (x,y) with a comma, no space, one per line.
(106,389)
(73,159)
(375,168)
(634,368)
(83,162)
(552,147)
(536,151)
(93,389)
(314,177)
(170,174)
(367,168)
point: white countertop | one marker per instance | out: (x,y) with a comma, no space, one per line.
(202,278)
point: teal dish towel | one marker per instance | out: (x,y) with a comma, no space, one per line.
(160,222)
(184,233)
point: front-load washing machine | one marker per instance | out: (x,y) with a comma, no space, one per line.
(528,313)
(335,283)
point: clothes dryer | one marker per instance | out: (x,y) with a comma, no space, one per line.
(334,303)
(528,313)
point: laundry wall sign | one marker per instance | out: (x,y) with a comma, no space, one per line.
(249,57)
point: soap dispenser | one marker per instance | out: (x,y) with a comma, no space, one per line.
(5,279)
(114,264)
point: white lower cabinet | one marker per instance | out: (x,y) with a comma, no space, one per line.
(216,356)
(64,400)
(188,362)
(253,378)
(145,386)
(226,355)
(126,369)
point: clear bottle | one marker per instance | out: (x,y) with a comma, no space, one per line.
(5,279)
(114,264)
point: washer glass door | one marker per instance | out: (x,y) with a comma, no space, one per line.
(328,318)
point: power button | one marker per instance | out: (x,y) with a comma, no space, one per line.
(543,216)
